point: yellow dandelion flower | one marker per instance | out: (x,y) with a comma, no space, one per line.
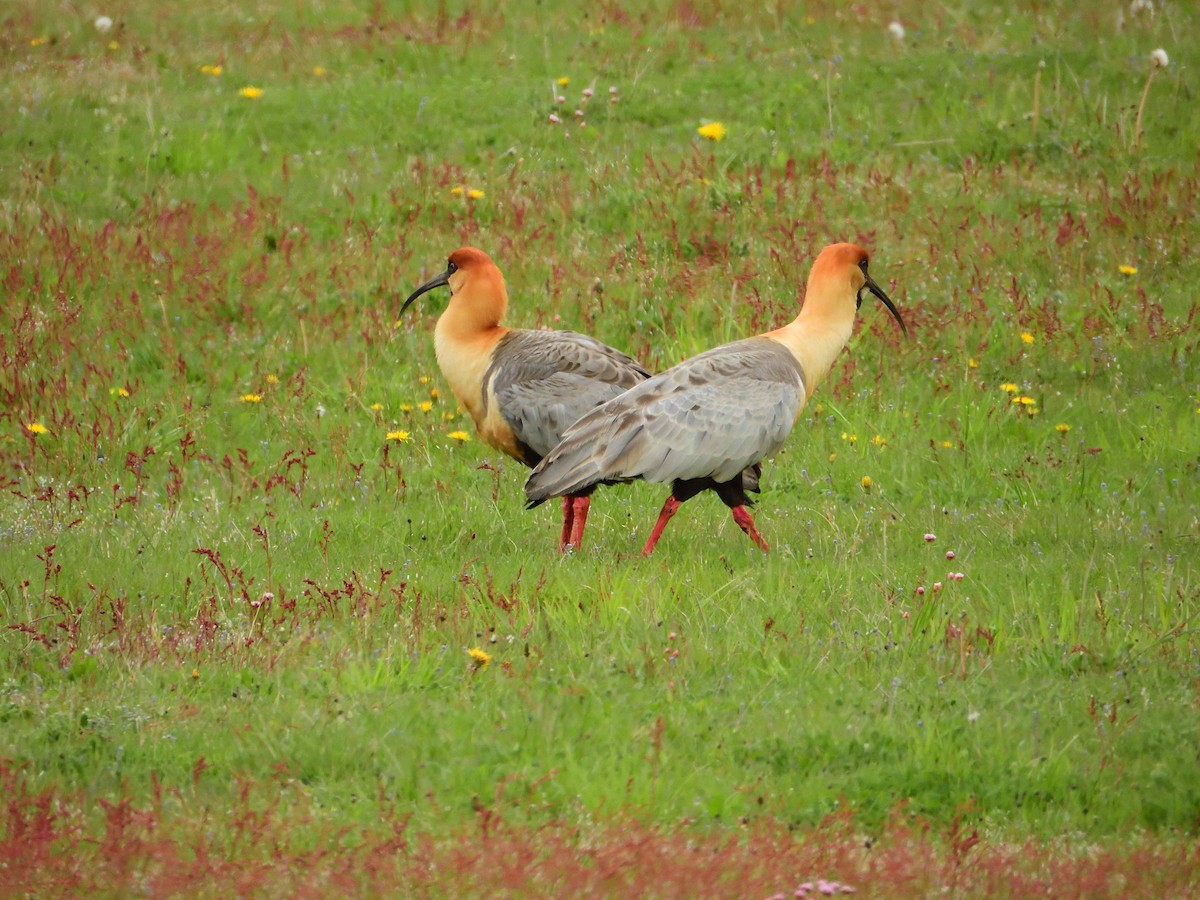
(1026,337)
(947,445)
(1008,387)
(424,379)
(272,379)
(475,194)
(398,435)
(457,190)
(479,657)
(847,436)
(377,406)
(832,457)
(866,482)
(426,405)
(37,428)
(113,45)
(118,392)
(1024,401)
(320,71)
(1032,411)
(714,131)
(449,416)
(564,81)
(1062,427)
(38,41)
(460,436)
(879,440)
(214,71)
(195,674)
(251,93)
(972,362)
(1127,270)
(406,407)
(251,398)
(434,393)
(818,409)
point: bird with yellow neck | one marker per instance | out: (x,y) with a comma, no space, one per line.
(699,424)
(522,388)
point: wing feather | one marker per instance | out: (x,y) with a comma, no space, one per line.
(711,416)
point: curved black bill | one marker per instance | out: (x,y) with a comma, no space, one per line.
(887,301)
(435,281)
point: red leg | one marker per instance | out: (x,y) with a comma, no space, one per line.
(568,516)
(669,509)
(579,510)
(745,521)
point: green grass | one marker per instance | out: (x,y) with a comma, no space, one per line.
(169,246)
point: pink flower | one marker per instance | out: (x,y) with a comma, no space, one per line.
(930,537)
(949,554)
(937,586)
(920,590)
(554,120)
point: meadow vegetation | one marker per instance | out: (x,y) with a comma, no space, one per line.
(271,616)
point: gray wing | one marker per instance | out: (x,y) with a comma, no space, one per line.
(543,381)
(711,416)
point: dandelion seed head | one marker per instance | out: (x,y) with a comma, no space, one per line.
(1159,58)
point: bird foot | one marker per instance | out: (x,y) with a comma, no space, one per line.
(745,521)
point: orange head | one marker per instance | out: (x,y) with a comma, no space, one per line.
(840,271)
(475,283)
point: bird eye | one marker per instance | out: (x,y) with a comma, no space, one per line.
(862,264)
(451,267)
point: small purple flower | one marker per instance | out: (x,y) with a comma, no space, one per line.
(930,537)
(949,554)
(554,120)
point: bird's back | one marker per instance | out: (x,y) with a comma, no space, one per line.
(541,382)
(711,416)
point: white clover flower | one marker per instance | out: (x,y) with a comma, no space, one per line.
(896,30)
(1159,58)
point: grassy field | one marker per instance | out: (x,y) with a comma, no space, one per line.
(247,540)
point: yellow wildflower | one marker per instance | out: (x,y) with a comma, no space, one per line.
(479,657)
(1024,401)
(424,379)
(434,393)
(564,81)
(195,674)
(457,190)
(377,406)
(401,436)
(118,392)
(251,93)
(1026,337)
(37,428)
(38,41)
(947,445)
(211,70)
(818,409)
(272,379)
(846,436)
(459,436)
(1062,427)
(714,131)
(113,45)
(866,482)
(425,405)
(320,71)
(832,457)
(405,407)
(879,440)
(972,362)
(1008,387)
(251,398)
(475,194)
(1127,270)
